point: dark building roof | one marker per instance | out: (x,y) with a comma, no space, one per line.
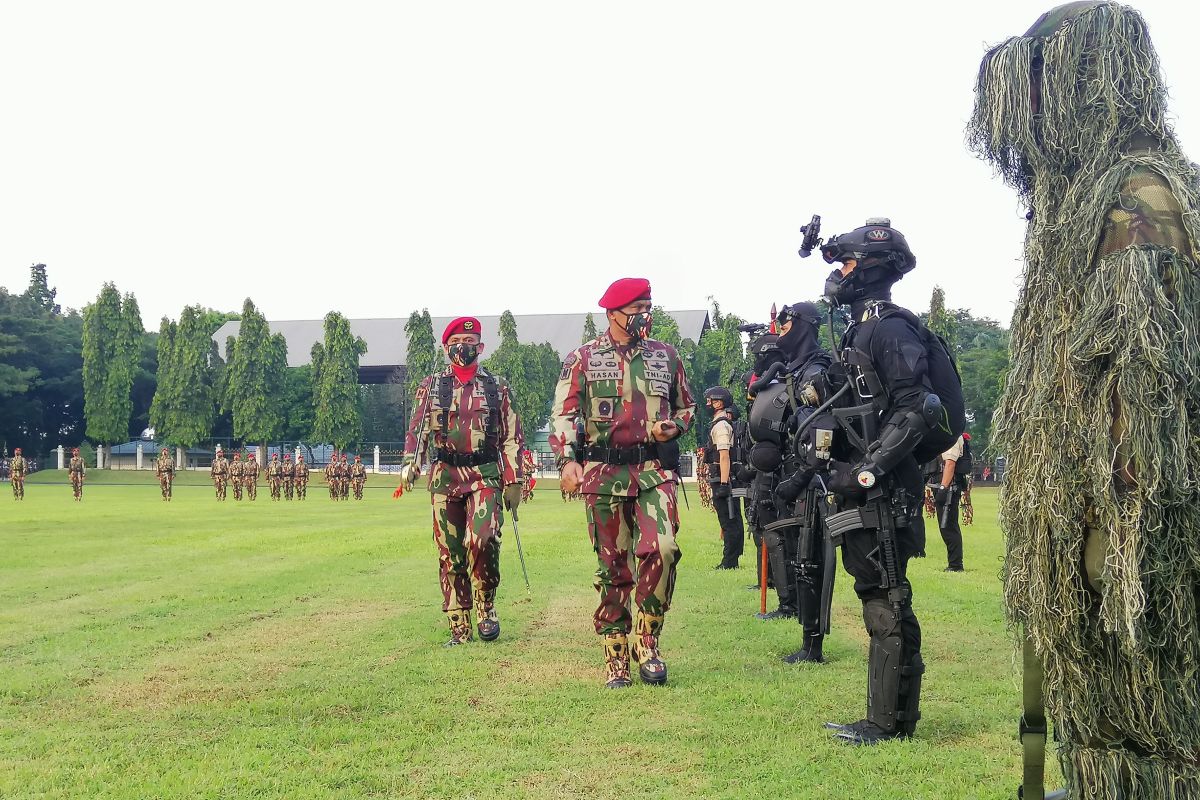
(387,344)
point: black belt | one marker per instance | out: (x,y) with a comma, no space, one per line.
(487,456)
(621,455)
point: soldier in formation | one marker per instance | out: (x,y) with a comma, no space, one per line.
(621,402)
(237,474)
(16,474)
(275,477)
(77,471)
(164,469)
(289,477)
(465,414)
(220,473)
(331,477)
(250,476)
(301,473)
(358,477)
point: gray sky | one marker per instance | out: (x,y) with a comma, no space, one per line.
(373,158)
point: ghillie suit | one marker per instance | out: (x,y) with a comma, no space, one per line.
(1103,531)
(702,485)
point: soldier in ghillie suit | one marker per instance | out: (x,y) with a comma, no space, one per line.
(289,477)
(301,472)
(77,472)
(219,471)
(621,402)
(16,474)
(466,413)
(275,477)
(236,473)
(358,477)
(250,477)
(164,469)
(1099,417)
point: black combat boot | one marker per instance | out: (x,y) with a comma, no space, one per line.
(810,651)
(488,623)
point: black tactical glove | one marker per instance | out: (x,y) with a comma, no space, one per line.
(941,494)
(788,490)
(846,481)
(720,491)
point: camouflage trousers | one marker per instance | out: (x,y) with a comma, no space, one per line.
(634,540)
(276,484)
(335,492)
(344,488)
(467,533)
(301,488)
(288,488)
(164,485)
(18,485)
(237,488)
(251,485)
(219,484)
(357,484)
(77,486)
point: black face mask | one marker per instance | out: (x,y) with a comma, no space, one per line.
(838,288)
(464,353)
(800,339)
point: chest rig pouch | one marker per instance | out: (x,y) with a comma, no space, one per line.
(491,399)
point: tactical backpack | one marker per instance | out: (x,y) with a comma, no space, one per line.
(942,374)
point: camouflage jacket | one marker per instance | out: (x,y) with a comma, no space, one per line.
(220,467)
(619,393)
(301,470)
(287,470)
(75,466)
(331,471)
(274,469)
(16,467)
(358,471)
(464,429)
(235,468)
(250,469)
(164,466)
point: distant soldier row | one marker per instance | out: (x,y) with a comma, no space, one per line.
(342,476)
(286,478)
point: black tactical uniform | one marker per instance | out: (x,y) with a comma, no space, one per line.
(893,421)
(724,496)
(946,500)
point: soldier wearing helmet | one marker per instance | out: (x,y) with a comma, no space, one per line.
(894,421)
(719,456)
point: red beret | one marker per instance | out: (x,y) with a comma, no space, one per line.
(967,436)
(625,291)
(16,451)
(462,325)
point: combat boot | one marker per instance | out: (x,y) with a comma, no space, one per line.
(616,660)
(460,627)
(644,650)
(485,612)
(810,651)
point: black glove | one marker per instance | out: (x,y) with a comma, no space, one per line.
(720,491)
(941,494)
(788,490)
(844,481)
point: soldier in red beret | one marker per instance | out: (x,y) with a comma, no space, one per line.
(622,400)
(77,472)
(16,474)
(464,424)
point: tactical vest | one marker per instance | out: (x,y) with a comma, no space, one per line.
(491,399)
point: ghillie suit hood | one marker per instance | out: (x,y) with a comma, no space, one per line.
(1100,420)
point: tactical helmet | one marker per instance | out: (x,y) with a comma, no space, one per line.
(875,244)
(719,393)
(764,345)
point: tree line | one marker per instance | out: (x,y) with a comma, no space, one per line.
(67,377)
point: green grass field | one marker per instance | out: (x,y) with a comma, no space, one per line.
(205,650)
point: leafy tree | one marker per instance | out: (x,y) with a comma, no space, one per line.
(335,383)
(112,332)
(530,373)
(160,407)
(255,374)
(297,401)
(39,292)
(939,320)
(193,398)
(423,353)
(589,328)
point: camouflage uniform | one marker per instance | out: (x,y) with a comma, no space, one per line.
(164,468)
(358,477)
(344,478)
(466,499)
(331,478)
(275,476)
(301,472)
(16,474)
(289,477)
(220,474)
(620,393)
(76,470)
(250,477)
(236,474)
(528,481)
